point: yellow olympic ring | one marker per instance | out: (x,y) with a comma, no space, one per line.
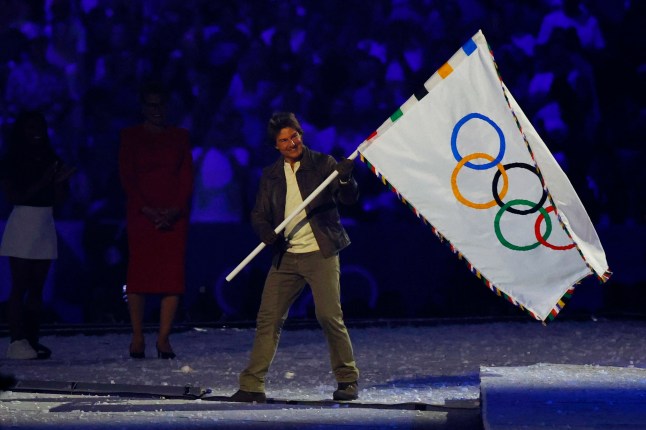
(454,181)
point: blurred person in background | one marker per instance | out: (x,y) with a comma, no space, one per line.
(156,169)
(34,179)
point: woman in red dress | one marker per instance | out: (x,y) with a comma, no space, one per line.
(156,170)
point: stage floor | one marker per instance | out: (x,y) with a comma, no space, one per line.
(446,374)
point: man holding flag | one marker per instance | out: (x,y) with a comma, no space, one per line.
(308,253)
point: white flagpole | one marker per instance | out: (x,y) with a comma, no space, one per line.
(296,211)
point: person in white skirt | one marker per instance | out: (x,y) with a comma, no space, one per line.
(34,179)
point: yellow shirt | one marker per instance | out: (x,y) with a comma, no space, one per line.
(298,231)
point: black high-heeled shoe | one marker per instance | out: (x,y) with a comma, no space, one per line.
(166,355)
(137,354)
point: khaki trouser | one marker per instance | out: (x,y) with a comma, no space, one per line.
(285,281)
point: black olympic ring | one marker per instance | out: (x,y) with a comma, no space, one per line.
(494,189)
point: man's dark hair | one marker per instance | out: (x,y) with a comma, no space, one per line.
(153,87)
(280,120)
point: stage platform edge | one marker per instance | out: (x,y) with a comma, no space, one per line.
(550,396)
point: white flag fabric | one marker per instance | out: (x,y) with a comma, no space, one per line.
(465,158)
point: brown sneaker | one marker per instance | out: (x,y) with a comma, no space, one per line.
(248,397)
(347,391)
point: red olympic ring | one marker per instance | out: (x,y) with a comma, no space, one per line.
(537,232)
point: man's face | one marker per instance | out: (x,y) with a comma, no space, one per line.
(154,109)
(289,143)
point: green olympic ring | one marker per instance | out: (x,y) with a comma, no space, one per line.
(505,242)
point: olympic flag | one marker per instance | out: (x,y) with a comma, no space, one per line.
(464,157)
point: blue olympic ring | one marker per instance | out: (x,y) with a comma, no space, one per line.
(454,139)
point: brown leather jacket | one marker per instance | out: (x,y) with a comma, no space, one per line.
(322,212)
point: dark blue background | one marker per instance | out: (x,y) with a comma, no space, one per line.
(343,67)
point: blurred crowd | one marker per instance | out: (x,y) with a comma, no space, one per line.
(575,66)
